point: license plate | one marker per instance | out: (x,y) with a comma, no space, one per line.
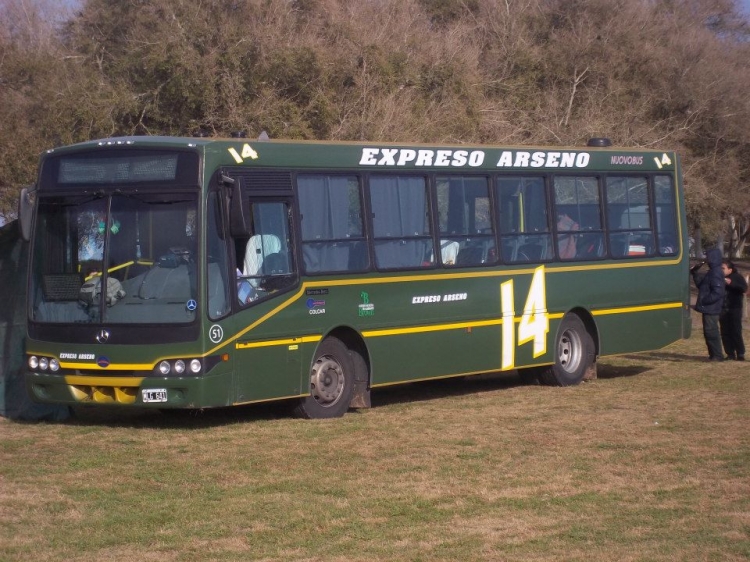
(154,395)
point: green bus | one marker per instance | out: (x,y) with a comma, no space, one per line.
(193,273)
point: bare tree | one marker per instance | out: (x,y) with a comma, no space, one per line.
(671,74)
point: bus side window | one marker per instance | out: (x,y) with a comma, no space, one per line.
(217,256)
(524,229)
(264,261)
(331,217)
(666,215)
(590,246)
(467,236)
(401,222)
(629,216)
(579,231)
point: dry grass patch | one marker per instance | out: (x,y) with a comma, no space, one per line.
(649,462)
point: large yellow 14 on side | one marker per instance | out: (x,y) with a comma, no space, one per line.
(534,323)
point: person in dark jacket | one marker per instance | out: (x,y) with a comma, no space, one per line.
(711,290)
(730,320)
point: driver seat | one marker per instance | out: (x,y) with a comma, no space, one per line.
(258,247)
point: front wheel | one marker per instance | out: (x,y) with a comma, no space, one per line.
(331,382)
(574,354)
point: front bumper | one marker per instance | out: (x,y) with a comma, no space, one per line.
(180,392)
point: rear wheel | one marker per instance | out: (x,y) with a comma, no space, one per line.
(574,354)
(331,382)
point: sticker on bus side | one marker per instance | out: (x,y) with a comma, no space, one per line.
(316,292)
(216,333)
(366,308)
(316,306)
(450,297)
(534,322)
(246,152)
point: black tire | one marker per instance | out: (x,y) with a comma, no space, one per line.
(574,354)
(331,382)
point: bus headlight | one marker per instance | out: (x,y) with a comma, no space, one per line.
(33,362)
(178,367)
(43,363)
(54,365)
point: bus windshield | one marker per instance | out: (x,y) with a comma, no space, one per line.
(123,258)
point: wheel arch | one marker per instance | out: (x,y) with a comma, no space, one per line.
(589,323)
(354,341)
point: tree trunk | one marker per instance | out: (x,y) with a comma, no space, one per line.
(697,243)
(738,251)
(720,242)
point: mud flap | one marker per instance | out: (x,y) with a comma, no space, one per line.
(590,373)
(361,397)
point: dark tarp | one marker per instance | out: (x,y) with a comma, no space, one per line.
(14,400)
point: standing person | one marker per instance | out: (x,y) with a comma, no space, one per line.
(730,320)
(711,289)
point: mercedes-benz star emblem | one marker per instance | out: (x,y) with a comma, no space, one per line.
(102,336)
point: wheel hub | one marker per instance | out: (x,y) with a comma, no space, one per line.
(569,351)
(327,381)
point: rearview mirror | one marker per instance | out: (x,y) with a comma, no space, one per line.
(26,211)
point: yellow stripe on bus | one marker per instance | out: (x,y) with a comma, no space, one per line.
(79,380)
(287,341)
(431,328)
(112,366)
(426,328)
(628,309)
(499,321)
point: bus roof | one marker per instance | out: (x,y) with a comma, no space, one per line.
(351,155)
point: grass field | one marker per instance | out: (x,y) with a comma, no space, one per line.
(649,462)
